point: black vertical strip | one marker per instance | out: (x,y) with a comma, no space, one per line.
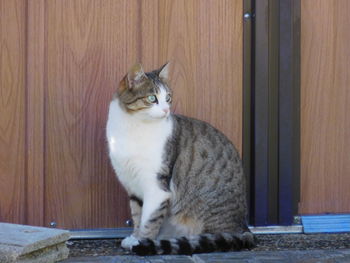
(273,110)
(248,16)
(260,102)
(296,20)
(289,104)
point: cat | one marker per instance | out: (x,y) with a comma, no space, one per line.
(184,177)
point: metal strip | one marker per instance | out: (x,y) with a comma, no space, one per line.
(275,112)
(289,104)
(273,79)
(119,233)
(247,84)
(268,230)
(106,233)
(260,114)
(296,19)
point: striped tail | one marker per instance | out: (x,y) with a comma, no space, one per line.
(203,243)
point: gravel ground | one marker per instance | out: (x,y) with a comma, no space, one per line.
(111,247)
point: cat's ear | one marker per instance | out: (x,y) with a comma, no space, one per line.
(135,76)
(163,71)
(123,85)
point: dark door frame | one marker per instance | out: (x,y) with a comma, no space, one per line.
(271,121)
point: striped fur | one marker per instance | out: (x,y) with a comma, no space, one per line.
(203,243)
(184,177)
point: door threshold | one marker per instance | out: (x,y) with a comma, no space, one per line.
(101,233)
(261,230)
(114,233)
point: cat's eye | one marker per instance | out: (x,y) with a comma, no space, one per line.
(152,99)
(168,98)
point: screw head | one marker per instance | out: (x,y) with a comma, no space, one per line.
(129,222)
(247,16)
(297,220)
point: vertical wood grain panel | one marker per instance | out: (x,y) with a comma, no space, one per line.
(60,63)
(91,44)
(12,110)
(325,106)
(35,111)
(203,41)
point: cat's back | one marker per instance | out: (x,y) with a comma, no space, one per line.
(203,153)
(201,137)
(207,176)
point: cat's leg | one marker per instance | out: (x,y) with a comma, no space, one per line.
(136,211)
(153,212)
(155,209)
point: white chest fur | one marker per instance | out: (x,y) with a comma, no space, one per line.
(136,148)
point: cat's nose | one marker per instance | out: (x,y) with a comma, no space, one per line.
(166,110)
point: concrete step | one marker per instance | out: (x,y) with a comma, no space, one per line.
(279,256)
(27,244)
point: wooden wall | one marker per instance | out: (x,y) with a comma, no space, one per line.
(204,40)
(12,111)
(325,106)
(61,61)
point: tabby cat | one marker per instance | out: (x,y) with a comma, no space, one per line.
(184,178)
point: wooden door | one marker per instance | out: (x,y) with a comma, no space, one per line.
(325,107)
(12,111)
(67,62)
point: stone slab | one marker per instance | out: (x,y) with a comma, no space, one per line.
(20,243)
(169,258)
(296,256)
(131,259)
(98,259)
(46,255)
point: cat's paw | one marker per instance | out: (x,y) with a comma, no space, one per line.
(129,242)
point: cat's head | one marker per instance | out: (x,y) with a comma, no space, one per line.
(146,95)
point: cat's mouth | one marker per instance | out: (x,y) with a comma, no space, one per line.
(164,116)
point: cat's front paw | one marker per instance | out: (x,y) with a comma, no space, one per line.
(129,242)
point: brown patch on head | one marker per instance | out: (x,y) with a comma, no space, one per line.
(137,85)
